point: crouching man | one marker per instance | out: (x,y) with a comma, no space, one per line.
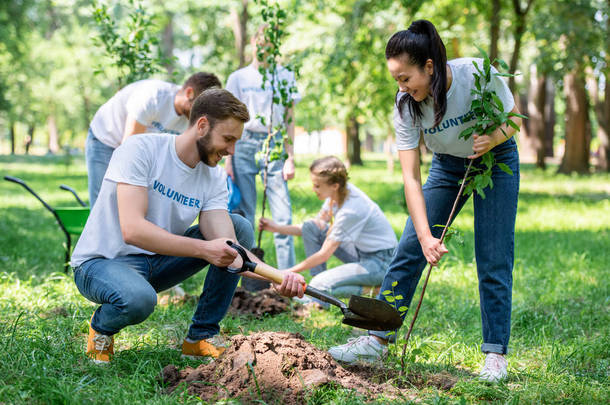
(139,240)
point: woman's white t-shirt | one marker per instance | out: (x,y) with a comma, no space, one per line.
(444,138)
(360,221)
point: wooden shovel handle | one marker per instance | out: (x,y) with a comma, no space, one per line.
(264,270)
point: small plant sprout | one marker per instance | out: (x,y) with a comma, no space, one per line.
(489,114)
(391,297)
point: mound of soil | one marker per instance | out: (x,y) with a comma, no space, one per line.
(268,366)
(266,301)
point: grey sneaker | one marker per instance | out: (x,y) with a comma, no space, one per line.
(494,369)
(364,348)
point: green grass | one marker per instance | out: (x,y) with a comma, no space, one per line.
(560,338)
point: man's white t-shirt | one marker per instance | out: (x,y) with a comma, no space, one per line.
(150,102)
(177,194)
(444,138)
(245,84)
(360,221)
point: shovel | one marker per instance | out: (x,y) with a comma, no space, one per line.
(361,312)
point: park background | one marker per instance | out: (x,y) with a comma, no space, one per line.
(54,74)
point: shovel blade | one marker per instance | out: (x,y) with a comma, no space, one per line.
(376,314)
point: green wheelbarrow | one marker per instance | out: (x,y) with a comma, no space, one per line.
(71,220)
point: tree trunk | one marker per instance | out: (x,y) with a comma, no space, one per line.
(601,108)
(353,141)
(53,135)
(240,22)
(520,25)
(549,119)
(577,138)
(494,29)
(387,149)
(535,109)
(12,132)
(29,139)
(168,44)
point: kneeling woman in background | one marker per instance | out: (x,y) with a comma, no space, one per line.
(350,225)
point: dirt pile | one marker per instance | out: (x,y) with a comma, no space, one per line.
(268,366)
(262,302)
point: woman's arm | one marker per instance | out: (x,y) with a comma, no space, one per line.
(268,225)
(432,247)
(321,256)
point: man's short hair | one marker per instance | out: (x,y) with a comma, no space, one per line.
(202,81)
(218,105)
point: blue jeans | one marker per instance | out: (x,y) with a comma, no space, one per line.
(97,156)
(360,268)
(127,286)
(246,168)
(494,229)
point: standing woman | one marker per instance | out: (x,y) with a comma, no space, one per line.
(434,98)
(350,226)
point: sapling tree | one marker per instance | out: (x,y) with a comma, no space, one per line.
(489,114)
(269,54)
(132,47)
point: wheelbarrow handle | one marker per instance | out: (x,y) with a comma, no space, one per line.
(70,189)
(22,183)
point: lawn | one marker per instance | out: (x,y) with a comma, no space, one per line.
(560,342)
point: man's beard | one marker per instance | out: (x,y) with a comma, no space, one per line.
(205,149)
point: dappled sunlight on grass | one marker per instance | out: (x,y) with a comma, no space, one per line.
(560,319)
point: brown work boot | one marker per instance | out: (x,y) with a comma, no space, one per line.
(100,347)
(212,347)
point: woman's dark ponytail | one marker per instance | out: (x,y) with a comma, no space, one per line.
(421,42)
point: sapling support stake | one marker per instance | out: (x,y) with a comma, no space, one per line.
(423,291)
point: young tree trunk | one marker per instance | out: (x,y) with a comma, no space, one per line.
(12,132)
(167,39)
(53,135)
(240,22)
(353,141)
(535,108)
(494,28)
(578,138)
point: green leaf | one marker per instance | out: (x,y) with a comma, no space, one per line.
(386,292)
(394,283)
(505,168)
(402,308)
(389,298)
(399,297)
(502,64)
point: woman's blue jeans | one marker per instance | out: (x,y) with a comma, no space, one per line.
(246,167)
(97,156)
(494,229)
(127,286)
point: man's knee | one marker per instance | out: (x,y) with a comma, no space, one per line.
(139,305)
(243,231)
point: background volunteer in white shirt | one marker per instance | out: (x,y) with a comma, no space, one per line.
(243,167)
(434,99)
(350,225)
(139,240)
(142,106)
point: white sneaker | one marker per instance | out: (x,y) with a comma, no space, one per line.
(494,369)
(364,348)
